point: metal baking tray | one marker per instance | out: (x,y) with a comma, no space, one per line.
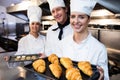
(48,73)
(21,58)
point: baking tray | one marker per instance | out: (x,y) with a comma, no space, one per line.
(22,58)
(48,73)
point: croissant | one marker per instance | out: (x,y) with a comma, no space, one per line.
(73,74)
(56,70)
(85,67)
(39,65)
(53,59)
(66,62)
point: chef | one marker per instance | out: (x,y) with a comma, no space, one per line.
(60,29)
(82,46)
(34,42)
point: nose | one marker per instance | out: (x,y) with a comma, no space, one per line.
(76,20)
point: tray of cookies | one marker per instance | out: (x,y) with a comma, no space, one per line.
(64,68)
(21,58)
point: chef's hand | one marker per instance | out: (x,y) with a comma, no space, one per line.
(101,71)
(6,58)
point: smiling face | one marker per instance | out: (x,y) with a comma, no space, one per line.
(79,22)
(59,14)
(34,27)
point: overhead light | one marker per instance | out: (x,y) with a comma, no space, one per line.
(101,12)
(105,22)
(117,15)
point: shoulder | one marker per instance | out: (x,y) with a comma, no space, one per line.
(67,39)
(52,27)
(42,37)
(24,38)
(97,43)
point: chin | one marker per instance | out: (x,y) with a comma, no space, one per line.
(77,30)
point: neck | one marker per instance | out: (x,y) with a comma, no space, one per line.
(34,34)
(66,22)
(78,37)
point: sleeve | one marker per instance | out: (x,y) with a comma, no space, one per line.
(103,62)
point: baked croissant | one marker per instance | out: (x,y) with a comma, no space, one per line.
(66,62)
(56,70)
(85,67)
(53,59)
(39,65)
(73,74)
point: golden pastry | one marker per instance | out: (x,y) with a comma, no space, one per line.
(53,59)
(85,67)
(33,57)
(22,57)
(56,70)
(17,58)
(73,74)
(28,58)
(39,65)
(66,62)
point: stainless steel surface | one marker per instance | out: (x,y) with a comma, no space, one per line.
(17,72)
(112,5)
(111,38)
(94,32)
(7,73)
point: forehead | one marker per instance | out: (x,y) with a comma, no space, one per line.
(35,23)
(78,13)
(56,8)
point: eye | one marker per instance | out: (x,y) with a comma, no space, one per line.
(81,17)
(37,23)
(58,9)
(32,23)
(72,16)
(53,11)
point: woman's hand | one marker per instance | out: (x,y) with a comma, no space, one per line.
(101,71)
(6,58)
(42,55)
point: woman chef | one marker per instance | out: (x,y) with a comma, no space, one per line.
(60,29)
(34,42)
(82,46)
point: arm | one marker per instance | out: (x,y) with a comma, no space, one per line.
(103,63)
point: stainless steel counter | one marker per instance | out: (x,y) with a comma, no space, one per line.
(7,73)
(17,72)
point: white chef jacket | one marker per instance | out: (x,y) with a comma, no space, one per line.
(52,40)
(89,49)
(31,45)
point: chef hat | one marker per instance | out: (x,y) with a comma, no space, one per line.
(55,3)
(34,14)
(84,6)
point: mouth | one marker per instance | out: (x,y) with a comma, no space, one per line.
(57,17)
(76,26)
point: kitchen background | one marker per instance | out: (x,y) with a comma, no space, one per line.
(104,25)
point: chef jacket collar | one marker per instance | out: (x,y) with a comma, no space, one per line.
(61,26)
(32,37)
(83,41)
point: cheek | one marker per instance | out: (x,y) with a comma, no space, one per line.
(31,27)
(71,21)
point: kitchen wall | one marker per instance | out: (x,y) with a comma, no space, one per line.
(8,25)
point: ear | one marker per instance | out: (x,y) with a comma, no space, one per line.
(66,9)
